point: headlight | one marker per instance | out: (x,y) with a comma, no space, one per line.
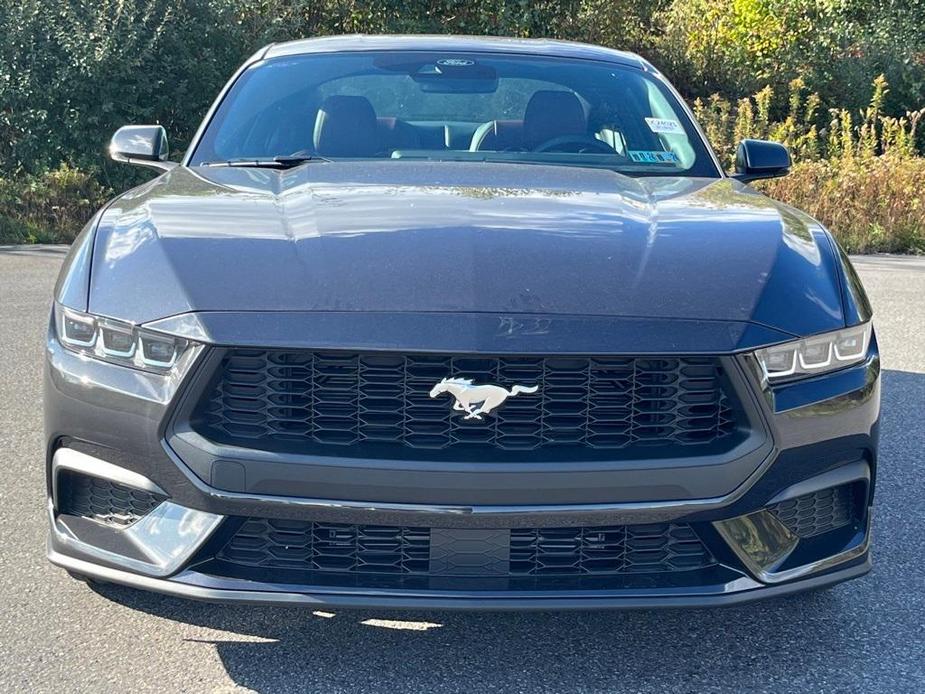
(120,342)
(815,355)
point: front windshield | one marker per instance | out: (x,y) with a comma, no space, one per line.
(455,107)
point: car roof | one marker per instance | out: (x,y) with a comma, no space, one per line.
(460,44)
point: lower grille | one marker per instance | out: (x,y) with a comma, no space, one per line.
(608,550)
(366,549)
(102,500)
(818,512)
(287,544)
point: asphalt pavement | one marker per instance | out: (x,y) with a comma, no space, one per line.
(60,635)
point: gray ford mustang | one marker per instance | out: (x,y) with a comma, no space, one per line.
(457,322)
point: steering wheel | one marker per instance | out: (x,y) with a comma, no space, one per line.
(575,143)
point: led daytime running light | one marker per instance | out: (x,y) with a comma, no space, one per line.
(119,342)
(800,358)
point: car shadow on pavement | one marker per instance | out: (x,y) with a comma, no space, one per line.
(836,639)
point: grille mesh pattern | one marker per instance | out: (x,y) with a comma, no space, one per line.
(347,399)
(818,512)
(329,547)
(607,550)
(305,545)
(104,501)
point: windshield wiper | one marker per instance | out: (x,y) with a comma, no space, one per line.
(296,159)
(281,162)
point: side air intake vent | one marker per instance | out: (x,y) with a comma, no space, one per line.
(102,500)
(818,512)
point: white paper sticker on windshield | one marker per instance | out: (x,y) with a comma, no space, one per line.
(665,125)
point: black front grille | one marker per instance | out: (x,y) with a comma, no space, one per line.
(288,544)
(297,399)
(368,550)
(608,550)
(819,512)
(103,500)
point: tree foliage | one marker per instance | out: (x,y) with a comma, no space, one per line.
(836,47)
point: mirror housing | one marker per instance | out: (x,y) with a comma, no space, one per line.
(145,145)
(757,159)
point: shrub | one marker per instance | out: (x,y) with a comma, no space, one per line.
(48,208)
(803,129)
(858,173)
(871,204)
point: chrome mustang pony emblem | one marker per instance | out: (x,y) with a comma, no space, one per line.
(476,400)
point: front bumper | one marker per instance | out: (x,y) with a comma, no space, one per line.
(737,592)
(173,551)
(821,434)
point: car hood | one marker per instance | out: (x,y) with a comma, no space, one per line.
(473,238)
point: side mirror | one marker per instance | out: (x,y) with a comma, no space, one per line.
(145,145)
(756,159)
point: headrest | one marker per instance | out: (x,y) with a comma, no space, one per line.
(498,136)
(346,126)
(397,134)
(552,114)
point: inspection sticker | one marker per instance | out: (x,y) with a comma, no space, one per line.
(644,157)
(665,125)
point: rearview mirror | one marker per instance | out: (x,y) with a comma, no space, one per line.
(756,159)
(457,76)
(145,145)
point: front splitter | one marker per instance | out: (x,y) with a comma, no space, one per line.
(183,585)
